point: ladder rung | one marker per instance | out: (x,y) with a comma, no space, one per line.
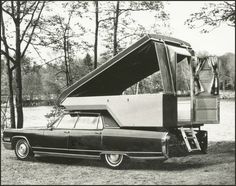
(195,149)
(190,134)
(190,137)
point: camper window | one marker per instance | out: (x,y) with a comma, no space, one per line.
(149,85)
(183,78)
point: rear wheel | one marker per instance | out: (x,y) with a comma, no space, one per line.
(22,150)
(114,160)
(203,140)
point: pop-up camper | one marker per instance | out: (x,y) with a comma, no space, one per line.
(102,89)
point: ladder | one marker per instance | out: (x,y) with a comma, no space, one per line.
(190,139)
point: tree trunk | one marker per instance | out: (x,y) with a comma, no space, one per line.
(18,71)
(66,63)
(96,35)
(19,108)
(116,28)
(11,97)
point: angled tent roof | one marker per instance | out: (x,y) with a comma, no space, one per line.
(126,68)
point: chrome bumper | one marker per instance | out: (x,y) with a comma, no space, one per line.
(7,145)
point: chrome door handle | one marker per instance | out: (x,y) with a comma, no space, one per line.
(66,132)
(98,132)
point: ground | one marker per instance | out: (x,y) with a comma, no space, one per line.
(215,168)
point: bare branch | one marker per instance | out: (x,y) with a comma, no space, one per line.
(10,14)
(31,35)
(102,20)
(7,56)
(30,22)
(37,52)
(127,36)
(13,67)
(12,9)
(5,43)
(3,38)
(28,9)
(46,63)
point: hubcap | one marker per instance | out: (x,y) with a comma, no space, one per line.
(22,150)
(114,160)
(114,157)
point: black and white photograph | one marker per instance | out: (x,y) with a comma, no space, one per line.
(117,92)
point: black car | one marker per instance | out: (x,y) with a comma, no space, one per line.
(87,135)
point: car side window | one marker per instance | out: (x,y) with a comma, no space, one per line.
(67,121)
(89,122)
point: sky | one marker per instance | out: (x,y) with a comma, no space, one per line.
(217,42)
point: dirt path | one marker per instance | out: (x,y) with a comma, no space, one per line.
(216,167)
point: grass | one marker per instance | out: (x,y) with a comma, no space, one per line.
(216,167)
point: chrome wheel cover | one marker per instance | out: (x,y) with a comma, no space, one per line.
(22,149)
(114,160)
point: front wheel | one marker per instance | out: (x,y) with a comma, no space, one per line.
(114,160)
(22,150)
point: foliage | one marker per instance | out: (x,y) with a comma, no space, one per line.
(227,71)
(4,81)
(31,81)
(212,15)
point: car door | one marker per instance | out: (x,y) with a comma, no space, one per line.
(85,138)
(55,139)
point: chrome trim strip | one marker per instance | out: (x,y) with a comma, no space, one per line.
(102,151)
(128,152)
(66,155)
(148,158)
(66,149)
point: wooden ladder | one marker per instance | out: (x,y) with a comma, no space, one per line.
(190,139)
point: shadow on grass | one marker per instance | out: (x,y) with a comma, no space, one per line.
(219,152)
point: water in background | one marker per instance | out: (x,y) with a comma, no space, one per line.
(35,116)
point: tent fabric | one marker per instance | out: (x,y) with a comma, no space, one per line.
(128,67)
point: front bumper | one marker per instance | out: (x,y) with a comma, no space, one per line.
(7,145)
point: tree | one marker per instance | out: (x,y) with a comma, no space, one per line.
(227,71)
(65,39)
(31,78)
(99,22)
(123,26)
(96,34)
(88,61)
(24,16)
(212,15)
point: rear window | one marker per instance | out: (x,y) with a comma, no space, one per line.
(108,121)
